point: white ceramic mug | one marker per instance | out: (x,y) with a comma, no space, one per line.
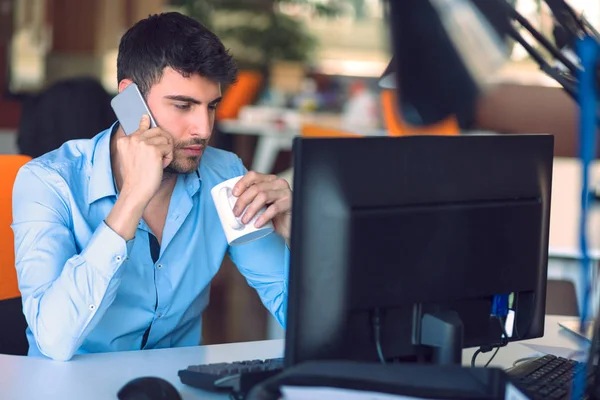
(236,231)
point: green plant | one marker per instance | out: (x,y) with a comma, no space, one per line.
(258,31)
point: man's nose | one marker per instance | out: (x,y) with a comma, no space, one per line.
(202,124)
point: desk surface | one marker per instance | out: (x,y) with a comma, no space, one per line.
(271,129)
(100,376)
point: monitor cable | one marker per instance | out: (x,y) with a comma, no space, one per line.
(496,348)
(376,319)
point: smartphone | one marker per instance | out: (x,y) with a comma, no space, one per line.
(129,106)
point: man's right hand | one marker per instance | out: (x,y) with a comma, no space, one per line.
(142,157)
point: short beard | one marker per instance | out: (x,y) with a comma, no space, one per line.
(177,167)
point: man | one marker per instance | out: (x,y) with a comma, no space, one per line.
(117,237)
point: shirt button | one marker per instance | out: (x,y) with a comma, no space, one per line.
(92,307)
(158,315)
(159,266)
(118,258)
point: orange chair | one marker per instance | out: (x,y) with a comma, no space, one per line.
(240,94)
(12,333)
(313,130)
(397,127)
(394,124)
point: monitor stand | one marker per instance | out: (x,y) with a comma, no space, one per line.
(442,331)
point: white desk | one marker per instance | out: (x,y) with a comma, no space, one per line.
(100,376)
(553,336)
(273,138)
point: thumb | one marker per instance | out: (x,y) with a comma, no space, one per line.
(144,124)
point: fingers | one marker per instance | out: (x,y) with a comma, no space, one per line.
(248,195)
(154,132)
(164,147)
(250,179)
(151,136)
(283,205)
(279,200)
(144,125)
(260,200)
(144,129)
(167,156)
(159,140)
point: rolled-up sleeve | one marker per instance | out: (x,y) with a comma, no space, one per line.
(65,291)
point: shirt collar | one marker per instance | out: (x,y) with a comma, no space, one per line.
(192,181)
(102,183)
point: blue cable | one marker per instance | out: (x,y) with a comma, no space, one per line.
(588,51)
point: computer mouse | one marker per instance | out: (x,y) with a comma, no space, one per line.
(148,388)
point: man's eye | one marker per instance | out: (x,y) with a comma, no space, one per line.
(183,107)
(212,106)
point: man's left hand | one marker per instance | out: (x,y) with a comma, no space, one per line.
(255,191)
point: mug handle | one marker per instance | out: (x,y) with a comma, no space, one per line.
(228,215)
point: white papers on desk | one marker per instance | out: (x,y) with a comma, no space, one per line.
(327,393)
(565,352)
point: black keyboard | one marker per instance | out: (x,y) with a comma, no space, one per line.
(546,377)
(238,377)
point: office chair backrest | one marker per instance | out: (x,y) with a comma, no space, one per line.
(72,108)
(12,333)
(397,127)
(313,130)
(9,165)
(561,298)
(240,94)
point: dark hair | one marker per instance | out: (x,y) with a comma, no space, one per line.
(172,40)
(74,108)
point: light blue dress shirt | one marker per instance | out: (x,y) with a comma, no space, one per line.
(86,290)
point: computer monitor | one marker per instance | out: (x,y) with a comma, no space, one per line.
(401,231)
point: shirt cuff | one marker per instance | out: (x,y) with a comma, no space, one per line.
(106,250)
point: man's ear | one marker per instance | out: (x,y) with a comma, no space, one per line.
(124,83)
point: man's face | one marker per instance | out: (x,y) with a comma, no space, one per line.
(185,109)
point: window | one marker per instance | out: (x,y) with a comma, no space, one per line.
(521,66)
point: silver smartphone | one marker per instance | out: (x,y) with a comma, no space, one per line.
(129,106)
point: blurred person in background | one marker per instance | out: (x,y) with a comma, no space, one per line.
(75,108)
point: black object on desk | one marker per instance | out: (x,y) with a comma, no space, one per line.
(238,377)
(401,245)
(148,388)
(423,381)
(547,377)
